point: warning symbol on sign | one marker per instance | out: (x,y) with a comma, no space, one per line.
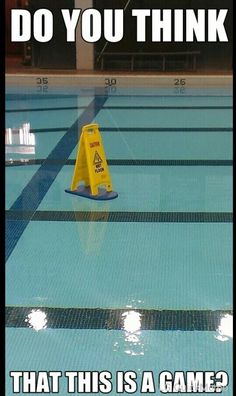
(97,159)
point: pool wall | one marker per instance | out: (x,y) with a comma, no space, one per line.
(112,80)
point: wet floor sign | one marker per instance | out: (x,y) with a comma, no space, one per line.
(91,167)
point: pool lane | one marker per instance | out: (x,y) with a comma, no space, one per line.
(206,101)
(67,102)
(49,119)
(92,350)
(43,145)
(151,188)
(147,145)
(165,118)
(16,180)
(166,145)
(44,103)
(110,265)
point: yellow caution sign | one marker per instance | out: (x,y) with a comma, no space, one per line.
(91,167)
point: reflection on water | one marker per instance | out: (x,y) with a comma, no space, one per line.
(225,329)
(131,340)
(37,319)
(91,240)
(133,303)
(132,322)
(20,140)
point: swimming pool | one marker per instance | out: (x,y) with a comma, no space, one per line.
(142,282)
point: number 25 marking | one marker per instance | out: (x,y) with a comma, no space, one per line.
(179,81)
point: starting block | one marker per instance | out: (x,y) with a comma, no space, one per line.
(91,167)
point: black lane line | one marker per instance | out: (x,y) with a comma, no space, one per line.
(82,93)
(123,108)
(112,319)
(59,129)
(167,129)
(127,162)
(179,95)
(46,109)
(37,96)
(118,217)
(35,190)
(167,107)
(142,129)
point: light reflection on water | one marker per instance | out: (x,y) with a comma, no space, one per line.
(130,340)
(225,329)
(37,319)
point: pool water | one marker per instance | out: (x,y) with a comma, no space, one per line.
(139,283)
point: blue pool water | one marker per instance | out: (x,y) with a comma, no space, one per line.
(139,283)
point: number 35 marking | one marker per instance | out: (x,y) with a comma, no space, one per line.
(41,80)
